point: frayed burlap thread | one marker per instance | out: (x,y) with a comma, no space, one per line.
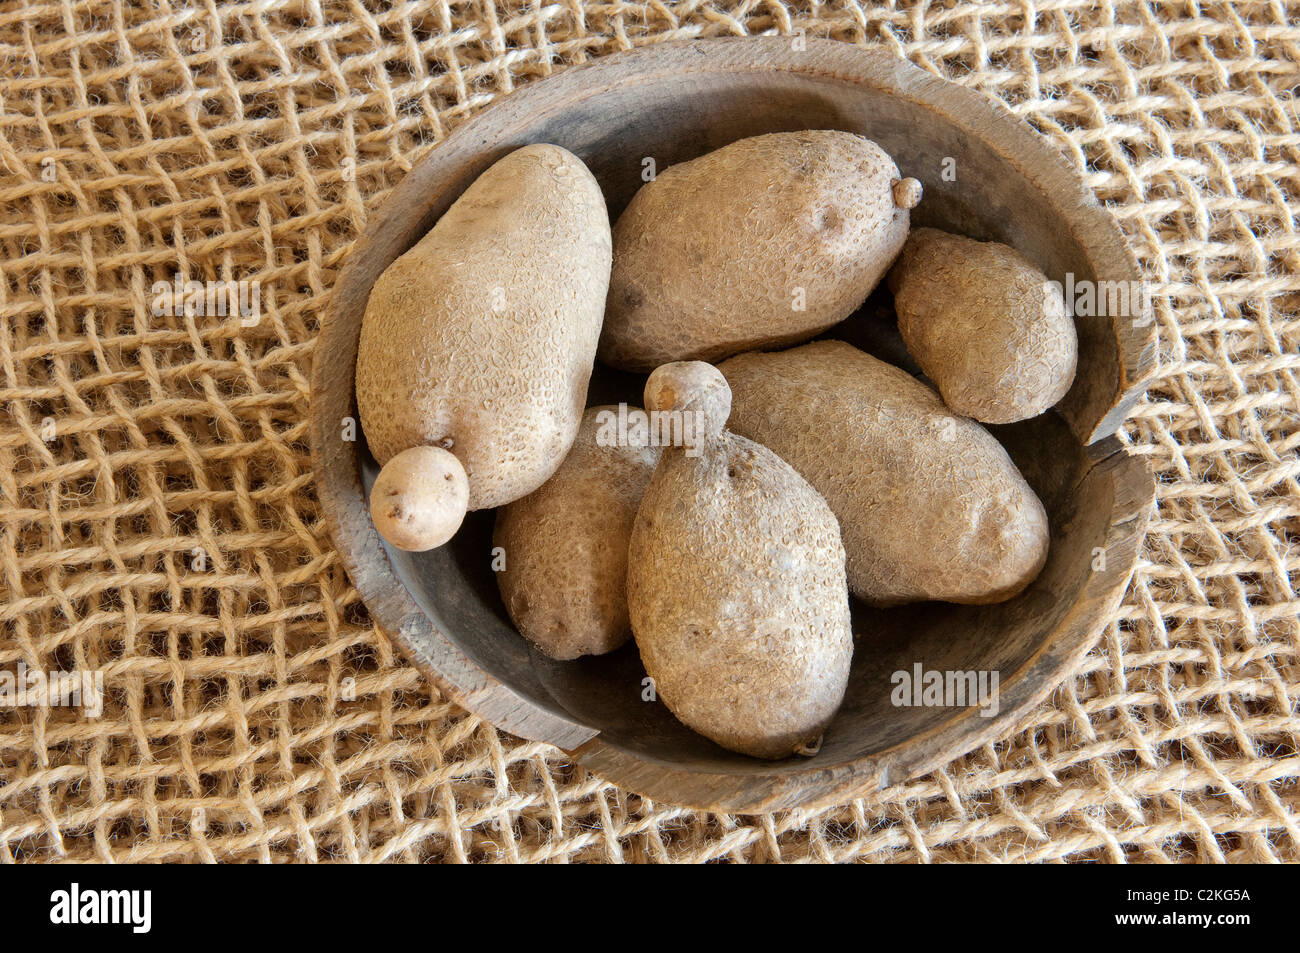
(158,521)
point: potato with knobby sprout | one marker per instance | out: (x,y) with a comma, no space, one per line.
(481,339)
(735,584)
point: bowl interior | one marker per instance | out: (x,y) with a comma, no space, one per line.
(456,588)
(969,188)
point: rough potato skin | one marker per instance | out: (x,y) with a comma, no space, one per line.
(929,504)
(984,324)
(565,581)
(708,256)
(691,387)
(738,598)
(481,338)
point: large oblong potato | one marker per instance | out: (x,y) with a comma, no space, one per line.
(481,338)
(565,545)
(930,506)
(762,243)
(985,325)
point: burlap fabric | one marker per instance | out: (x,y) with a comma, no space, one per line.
(159,522)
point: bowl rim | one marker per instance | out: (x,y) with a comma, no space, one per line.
(336,467)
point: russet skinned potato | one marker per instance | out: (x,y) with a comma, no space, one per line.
(481,338)
(759,244)
(565,546)
(985,325)
(736,586)
(929,504)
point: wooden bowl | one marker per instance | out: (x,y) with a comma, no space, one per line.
(672,103)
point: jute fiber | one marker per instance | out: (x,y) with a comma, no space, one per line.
(159,524)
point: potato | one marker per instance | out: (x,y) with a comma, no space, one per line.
(736,584)
(929,504)
(565,545)
(984,324)
(419,498)
(481,338)
(762,243)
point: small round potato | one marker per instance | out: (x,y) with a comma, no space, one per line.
(481,338)
(419,498)
(984,324)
